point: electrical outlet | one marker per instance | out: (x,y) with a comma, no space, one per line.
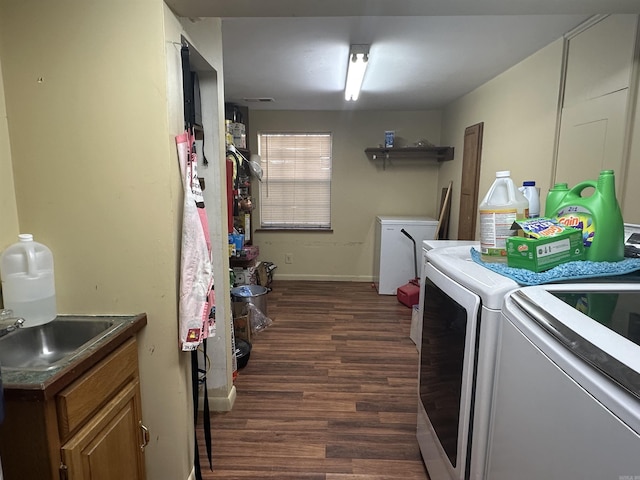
(288,258)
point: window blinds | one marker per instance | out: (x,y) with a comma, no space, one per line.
(296,187)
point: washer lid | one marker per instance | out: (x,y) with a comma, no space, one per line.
(456,263)
(406,220)
(599,323)
(432,244)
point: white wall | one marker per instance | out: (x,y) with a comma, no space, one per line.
(360,189)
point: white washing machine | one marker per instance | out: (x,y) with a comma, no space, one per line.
(566,403)
(461,315)
(461,435)
(394,254)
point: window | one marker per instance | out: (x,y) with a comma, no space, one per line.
(296,185)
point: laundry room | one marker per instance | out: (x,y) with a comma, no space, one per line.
(154,217)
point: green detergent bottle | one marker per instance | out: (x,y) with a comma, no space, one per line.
(599,306)
(598,215)
(554,198)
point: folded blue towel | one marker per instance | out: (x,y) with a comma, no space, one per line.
(564,272)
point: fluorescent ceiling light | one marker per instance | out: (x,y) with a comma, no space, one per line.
(358,60)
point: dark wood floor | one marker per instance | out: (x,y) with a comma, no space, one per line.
(329,392)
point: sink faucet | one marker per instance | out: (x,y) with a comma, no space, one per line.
(9,323)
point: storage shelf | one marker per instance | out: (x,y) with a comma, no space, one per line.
(439,154)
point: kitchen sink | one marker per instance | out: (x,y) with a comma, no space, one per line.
(44,347)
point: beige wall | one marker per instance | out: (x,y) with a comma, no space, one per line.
(204,38)
(8,207)
(360,189)
(518,109)
(630,190)
(92,120)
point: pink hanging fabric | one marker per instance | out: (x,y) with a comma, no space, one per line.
(196,272)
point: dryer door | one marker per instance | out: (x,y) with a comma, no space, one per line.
(447,363)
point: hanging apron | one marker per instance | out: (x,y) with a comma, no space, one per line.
(196,271)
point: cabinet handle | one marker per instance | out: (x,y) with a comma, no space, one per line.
(145,436)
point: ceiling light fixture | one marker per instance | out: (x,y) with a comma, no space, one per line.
(358,60)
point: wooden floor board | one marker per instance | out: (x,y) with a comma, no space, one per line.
(329,392)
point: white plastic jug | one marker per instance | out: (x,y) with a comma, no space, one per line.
(502,205)
(531,193)
(28,285)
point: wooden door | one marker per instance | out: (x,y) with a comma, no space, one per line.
(109,446)
(470,179)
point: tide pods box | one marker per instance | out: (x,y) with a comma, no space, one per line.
(541,243)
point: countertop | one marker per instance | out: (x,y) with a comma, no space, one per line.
(42,384)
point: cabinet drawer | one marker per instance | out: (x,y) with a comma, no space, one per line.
(80,400)
(109,445)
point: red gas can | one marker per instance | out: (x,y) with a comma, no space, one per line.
(409,294)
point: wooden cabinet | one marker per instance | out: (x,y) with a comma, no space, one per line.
(90,428)
(108,447)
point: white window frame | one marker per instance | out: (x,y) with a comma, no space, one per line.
(295,192)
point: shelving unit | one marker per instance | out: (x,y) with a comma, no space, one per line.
(438,154)
(245,263)
(244,220)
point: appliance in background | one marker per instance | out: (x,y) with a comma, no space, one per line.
(394,257)
(461,308)
(567,388)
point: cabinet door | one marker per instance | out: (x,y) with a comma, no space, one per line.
(109,446)
(596,100)
(592,139)
(600,59)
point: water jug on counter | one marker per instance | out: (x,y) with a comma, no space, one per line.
(28,285)
(598,215)
(502,205)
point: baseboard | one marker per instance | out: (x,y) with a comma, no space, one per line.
(219,403)
(325,278)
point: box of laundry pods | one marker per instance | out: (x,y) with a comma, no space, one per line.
(539,244)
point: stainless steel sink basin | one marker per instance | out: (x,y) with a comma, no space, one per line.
(46,346)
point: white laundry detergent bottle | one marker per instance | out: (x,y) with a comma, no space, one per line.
(530,192)
(502,205)
(28,285)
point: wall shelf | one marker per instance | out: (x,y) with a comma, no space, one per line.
(439,154)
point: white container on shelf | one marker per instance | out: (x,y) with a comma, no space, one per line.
(28,284)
